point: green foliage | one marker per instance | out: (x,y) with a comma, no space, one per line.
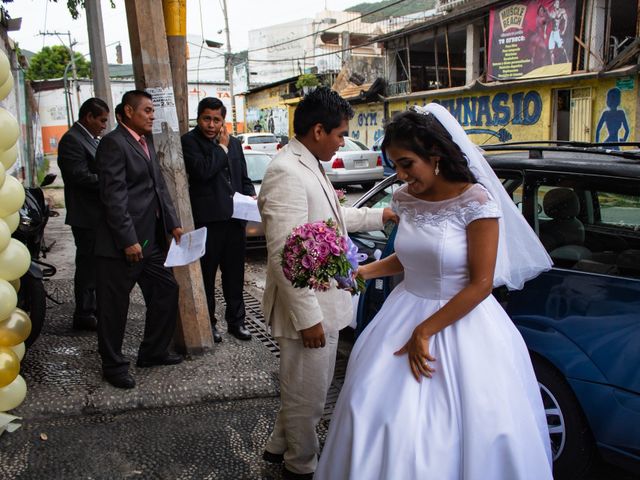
(50,62)
(307,80)
(404,8)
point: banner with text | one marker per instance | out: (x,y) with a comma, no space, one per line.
(531,38)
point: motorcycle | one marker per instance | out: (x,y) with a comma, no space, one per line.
(32,296)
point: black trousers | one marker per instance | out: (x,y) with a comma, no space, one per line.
(226,245)
(115,279)
(84,280)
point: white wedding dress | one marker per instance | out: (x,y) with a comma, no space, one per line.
(481,415)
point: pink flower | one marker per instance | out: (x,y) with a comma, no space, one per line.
(307,261)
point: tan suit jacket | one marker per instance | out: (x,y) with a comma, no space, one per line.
(295,191)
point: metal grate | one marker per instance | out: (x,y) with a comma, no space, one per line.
(254,321)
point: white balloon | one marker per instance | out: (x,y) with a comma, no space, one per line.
(5,235)
(19,350)
(13,394)
(9,156)
(5,67)
(11,196)
(8,300)
(6,87)
(14,260)
(9,129)
(12,221)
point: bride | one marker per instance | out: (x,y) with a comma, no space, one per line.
(440,385)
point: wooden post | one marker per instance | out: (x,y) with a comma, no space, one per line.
(175,18)
(446,39)
(152,71)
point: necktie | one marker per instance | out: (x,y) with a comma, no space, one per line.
(145,147)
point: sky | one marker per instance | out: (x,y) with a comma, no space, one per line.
(244,15)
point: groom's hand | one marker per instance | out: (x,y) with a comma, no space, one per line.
(389,215)
(313,337)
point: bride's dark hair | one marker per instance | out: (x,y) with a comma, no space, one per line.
(426,137)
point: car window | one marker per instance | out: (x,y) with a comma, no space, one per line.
(382,199)
(351,146)
(512,183)
(256,166)
(262,139)
(591,225)
(360,144)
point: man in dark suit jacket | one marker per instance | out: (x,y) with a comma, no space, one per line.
(217,169)
(76,159)
(131,243)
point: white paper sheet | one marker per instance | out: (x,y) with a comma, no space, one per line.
(192,246)
(245,208)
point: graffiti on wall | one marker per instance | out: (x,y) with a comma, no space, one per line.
(613,119)
(367,127)
(273,120)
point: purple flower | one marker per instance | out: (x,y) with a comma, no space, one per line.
(307,262)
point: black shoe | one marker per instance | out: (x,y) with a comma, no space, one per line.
(86,322)
(267,456)
(168,359)
(240,332)
(217,338)
(289,475)
(121,380)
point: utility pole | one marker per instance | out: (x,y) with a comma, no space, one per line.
(72,61)
(175,19)
(98,52)
(152,71)
(234,122)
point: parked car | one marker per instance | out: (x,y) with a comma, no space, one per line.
(257,163)
(261,142)
(353,164)
(389,167)
(581,320)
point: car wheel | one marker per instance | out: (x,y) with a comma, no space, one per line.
(366,186)
(572,445)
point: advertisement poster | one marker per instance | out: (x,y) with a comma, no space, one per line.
(531,38)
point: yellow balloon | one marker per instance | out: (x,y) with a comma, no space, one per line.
(9,130)
(5,235)
(9,366)
(12,221)
(8,302)
(6,87)
(3,174)
(19,350)
(11,196)
(14,260)
(13,394)
(9,156)
(5,67)
(15,284)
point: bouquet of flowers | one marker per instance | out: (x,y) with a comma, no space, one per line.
(342,196)
(315,253)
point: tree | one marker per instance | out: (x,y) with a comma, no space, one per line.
(72,6)
(50,62)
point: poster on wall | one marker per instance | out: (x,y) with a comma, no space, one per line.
(531,38)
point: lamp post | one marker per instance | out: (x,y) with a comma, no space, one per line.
(230,69)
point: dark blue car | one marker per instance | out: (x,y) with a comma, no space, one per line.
(581,320)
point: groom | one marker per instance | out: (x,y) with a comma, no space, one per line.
(305,323)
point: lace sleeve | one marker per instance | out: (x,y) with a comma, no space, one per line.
(480,205)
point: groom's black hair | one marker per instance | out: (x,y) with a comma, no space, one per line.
(323,106)
(424,135)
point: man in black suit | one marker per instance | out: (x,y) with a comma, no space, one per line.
(217,169)
(76,158)
(131,243)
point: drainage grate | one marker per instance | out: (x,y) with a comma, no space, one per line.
(254,321)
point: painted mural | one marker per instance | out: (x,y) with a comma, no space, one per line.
(613,119)
(367,124)
(273,120)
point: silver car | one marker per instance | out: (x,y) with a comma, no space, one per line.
(353,164)
(261,142)
(257,163)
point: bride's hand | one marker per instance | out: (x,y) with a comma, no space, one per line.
(417,350)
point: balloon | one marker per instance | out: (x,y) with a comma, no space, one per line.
(5,67)
(6,87)
(5,235)
(11,196)
(8,302)
(3,174)
(19,350)
(13,394)
(15,284)
(14,260)
(12,221)
(9,366)
(9,130)
(9,156)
